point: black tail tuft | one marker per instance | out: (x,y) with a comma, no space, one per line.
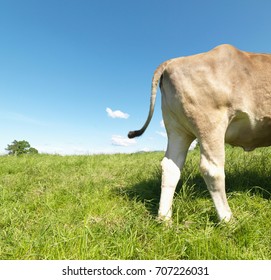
(135,133)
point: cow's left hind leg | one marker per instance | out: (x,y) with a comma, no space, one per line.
(171,164)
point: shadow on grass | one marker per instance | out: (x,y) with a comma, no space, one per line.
(148,191)
(249,181)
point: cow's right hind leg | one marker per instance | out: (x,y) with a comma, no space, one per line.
(212,169)
(172,164)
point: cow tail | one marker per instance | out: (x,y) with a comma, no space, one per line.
(156,77)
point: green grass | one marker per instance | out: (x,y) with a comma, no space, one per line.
(104,207)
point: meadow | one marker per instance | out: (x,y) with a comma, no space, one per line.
(105,206)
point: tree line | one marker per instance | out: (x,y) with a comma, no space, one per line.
(17,148)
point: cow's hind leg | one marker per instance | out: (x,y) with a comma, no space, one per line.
(171,164)
(212,169)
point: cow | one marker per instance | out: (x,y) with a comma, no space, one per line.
(221,96)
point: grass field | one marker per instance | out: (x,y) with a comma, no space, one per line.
(104,207)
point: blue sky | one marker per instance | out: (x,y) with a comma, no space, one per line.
(75,75)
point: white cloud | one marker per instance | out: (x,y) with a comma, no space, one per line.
(162,124)
(193,145)
(116,114)
(146,149)
(161,133)
(118,140)
(62,149)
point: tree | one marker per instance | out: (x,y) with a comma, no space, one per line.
(18,148)
(33,151)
